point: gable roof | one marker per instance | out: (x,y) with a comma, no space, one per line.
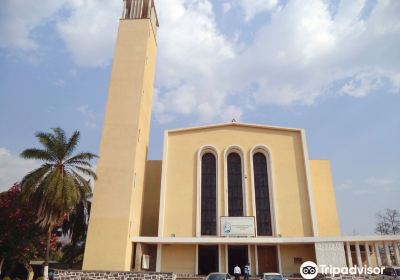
(234,124)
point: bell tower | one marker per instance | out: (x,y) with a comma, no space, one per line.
(116,209)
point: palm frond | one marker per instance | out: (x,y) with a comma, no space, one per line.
(48,141)
(81,157)
(87,171)
(72,143)
(37,154)
(83,183)
(79,162)
(30,181)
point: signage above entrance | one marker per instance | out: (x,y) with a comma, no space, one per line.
(238,226)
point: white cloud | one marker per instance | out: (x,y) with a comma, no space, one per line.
(311,51)
(299,55)
(89,32)
(346,185)
(361,84)
(254,7)
(192,55)
(384,181)
(19,18)
(13,168)
(368,186)
(90,117)
(303,51)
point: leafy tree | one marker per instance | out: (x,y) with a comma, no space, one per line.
(58,185)
(388,222)
(21,239)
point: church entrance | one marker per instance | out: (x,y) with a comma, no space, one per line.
(208,259)
(267,259)
(237,255)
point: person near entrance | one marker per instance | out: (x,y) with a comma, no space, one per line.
(247,271)
(237,272)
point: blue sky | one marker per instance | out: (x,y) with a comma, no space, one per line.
(331,67)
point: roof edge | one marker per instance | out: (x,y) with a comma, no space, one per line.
(234,124)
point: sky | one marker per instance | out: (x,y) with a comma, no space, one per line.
(329,66)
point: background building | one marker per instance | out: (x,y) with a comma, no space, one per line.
(223,194)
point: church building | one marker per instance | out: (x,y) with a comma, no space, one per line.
(222,195)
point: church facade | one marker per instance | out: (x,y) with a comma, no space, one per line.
(222,195)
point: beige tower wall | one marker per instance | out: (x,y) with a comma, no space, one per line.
(151,198)
(324,197)
(117,201)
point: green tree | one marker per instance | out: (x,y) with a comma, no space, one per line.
(58,185)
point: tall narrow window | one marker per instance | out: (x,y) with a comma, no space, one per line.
(208,194)
(235,189)
(263,210)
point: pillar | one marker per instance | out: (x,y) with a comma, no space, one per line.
(138,257)
(387,253)
(367,253)
(359,260)
(378,254)
(396,252)
(348,252)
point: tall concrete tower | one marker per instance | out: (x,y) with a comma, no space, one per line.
(118,192)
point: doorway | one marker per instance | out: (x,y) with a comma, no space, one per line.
(208,259)
(237,255)
(267,259)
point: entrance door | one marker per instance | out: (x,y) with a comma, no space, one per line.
(208,259)
(267,259)
(237,255)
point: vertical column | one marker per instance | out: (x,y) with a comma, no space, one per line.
(396,252)
(378,254)
(367,253)
(138,257)
(159,252)
(279,259)
(256,254)
(359,260)
(348,252)
(387,253)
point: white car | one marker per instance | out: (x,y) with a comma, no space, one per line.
(390,273)
(218,276)
(272,276)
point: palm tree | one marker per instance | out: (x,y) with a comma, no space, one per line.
(76,228)
(58,185)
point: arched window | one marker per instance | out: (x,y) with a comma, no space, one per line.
(235,189)
(263,209)
(208,194)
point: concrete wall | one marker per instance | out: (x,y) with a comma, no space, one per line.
(288,174)
(289,252)
(324,198)
(151,198)
(178,258)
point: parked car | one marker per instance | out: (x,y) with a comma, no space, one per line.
(218,276)
(272,276)
(390,273)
